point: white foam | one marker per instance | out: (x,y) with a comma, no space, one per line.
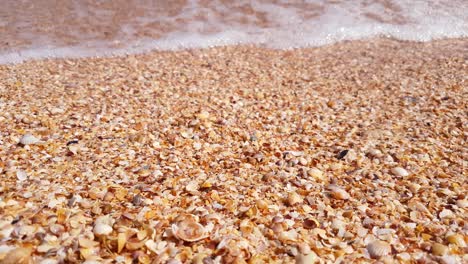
(284,26)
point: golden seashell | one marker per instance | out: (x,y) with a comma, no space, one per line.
(457,239)
(439,249)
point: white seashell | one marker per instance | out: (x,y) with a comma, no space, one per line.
(400,172)
(446,214)
(102,229)
(29,139)
(378,249)
(21,175)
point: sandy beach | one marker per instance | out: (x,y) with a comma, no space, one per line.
(349,153)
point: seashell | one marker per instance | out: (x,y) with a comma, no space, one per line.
(288,236)
(439,249)
(378,249)
(29,139)
(414,187)
(192,187)
(446,214)
(375,153)
(339,194)
(188,230)
(203,115)
(294,198)
(457,239)
(73,149)
(400,172)
(121,240)
(134,244)
(338,224)
(102,229)
(462,203)
(310,223)
(21,175)
(57,229)
(315,173)
(18,256)
(306,259)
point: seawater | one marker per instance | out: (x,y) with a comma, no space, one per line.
(76,28)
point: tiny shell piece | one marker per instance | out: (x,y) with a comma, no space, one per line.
(102,229)
(29,139)
(399,171)
(378,249)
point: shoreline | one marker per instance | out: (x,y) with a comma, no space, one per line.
(238,153)
(64,53)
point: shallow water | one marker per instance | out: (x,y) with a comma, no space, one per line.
(43,28)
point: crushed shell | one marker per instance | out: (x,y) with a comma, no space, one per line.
(236,155)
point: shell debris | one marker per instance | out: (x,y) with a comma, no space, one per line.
(237,154)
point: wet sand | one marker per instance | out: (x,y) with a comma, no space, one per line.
(350,152)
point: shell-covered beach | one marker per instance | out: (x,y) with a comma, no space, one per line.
(354,152)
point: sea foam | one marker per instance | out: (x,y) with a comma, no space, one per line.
(273,24)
